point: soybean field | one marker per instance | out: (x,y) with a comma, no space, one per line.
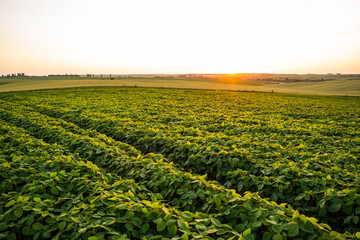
(146,163)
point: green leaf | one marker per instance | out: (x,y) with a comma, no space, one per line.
(37,226)
(94,238)
(277,236)
(322,203)
(200,227)
(183,224)
(258,213)
(82,230)
(216,222)
(356,220)
(247,232)
(347,219)
(62,225)
(145,227)
(217,201)
(161,225)
(46,234)
(271,222)
(53,174)
(117,183)
(357,210)
(70,186)
(18,213)
(3,226)
(36,236)
(296,214)
(187,216)
(267,236)
(293,232)
(172,229)
(3,235)
(348,209)
(184,237)
(210,231)
(257,224)
(137,222)
(322,212)
(276,228)
(248,206)
(307,227)
(54,190)
(9,204)
(147,203)
(110,221)
(11,236)
(7,165)
(26,231)
(30,220)
(129,226)
(335,207)
(27,208)
(171,222)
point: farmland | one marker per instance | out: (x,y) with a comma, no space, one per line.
(299,84)
(132,163)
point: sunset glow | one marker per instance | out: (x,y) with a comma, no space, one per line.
(93,36)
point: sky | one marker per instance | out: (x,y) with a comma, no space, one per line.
(41,37)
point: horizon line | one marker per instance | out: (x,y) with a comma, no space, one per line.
(167,74)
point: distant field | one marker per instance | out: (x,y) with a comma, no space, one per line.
(343,86)
(336,87)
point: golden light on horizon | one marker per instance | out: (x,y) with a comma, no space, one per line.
(93,36)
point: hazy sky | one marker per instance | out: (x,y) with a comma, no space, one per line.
(179,36)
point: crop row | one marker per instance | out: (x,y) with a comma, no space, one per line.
(240,212)
(324,130)
(320,193)
(47,194)
(303,139)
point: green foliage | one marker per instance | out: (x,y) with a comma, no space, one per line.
(66,171)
